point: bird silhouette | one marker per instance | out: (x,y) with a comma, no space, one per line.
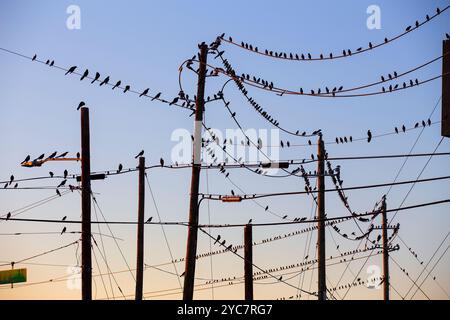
(51,174)
(58,193)
(40,157)
(144,93)
(62,155)
(16,185)
(140,154)
(52,155)
(157,96)
(8,216)
(175,100)
(97,76)
(161,161)
(217,239)
(64,218)
(71,70)
(369,136)
(62,183)
(117,84)
(65,174)
(85,74)
(78,155)
(80,105)
(249,221)
(105,81)
(34,57)
(52,63)
(149,220)
(127,87)
(120,168)
(63,230)
(27,158)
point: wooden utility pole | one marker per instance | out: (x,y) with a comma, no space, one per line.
(322,289)
(191,250)
(385,251)
(86,258)
(445,125)
(140,231)
(248,262)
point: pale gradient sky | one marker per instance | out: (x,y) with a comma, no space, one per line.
(143,43)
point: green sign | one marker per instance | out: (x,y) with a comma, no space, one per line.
(13,276)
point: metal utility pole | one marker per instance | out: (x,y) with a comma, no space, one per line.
(86,258)
(445,125)
(140,231)
(385,251)
(322,289)
(191,250)
(248,262)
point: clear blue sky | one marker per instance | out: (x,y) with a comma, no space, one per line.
(143,43)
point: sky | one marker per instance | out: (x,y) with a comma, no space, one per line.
(143,44)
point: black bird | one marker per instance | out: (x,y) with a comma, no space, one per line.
(34,58)
(47,62)
(58,193)
(97,76)
(232,192)
(369,136)
(266,208)
(63,230)
(280,278)
(78,155)
(396,130)
(161,161)
(157,96)
(64,218)
(71,69)
(127,87)
(40,157)
(52,155)
(175,100)
(52,63)
(8,216)
(140,154)
(65,174)
(144,93)
(403,128)
(81,104)
(217,239)
(51,174)
(62,183)
(120,168)
(16,185)
(105,81)
(85,74)
(250,221)
(27,158)
(62,155)
(149,220)
(117,84)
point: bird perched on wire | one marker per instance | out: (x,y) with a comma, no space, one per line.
(149,220)
(369,136)
(127,87)
(97,76)
(34,57)
(8,216)
(64,218)
(80,105)
(157,96)
(71,70)
(120,168)
(52,155)
(161,161)
(63,230)
(140,154)
(62,183)
(65,174)
(144,93)
(27,158)
(175,100)
(117,84)
(40,157)
(85,74)
(105,81)
(217,239)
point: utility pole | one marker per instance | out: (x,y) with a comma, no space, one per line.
(322,289)
(385,251)
(248,262)
(86,258)
(445,125)
(140,231)
(191,250)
